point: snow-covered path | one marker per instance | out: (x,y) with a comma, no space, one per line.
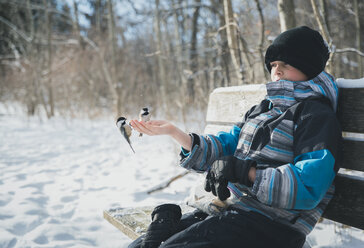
(58,176)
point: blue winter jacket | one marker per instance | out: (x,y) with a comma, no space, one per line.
(294,136)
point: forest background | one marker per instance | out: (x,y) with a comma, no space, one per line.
(78,58)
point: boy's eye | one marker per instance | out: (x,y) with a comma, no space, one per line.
(273,64)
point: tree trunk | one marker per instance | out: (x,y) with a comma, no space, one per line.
(358,39)
(31,86)
(76,25)
(178,45)
(182,81)
(325,13)
(50,88)
(223,45)
(98,16)
(287,17)
(193,54)
(112,41)
(31,21)
(324,31)
(161,71)
(231,30)
(250,70)
(261,42)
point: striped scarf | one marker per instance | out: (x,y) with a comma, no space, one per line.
(285,93)
(282,95)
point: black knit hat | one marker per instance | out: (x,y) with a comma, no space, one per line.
(302,48)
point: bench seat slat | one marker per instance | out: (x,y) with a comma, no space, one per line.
(230,105)
(353,155)
(347,206)
(351,109)
(134,221)
(131,221)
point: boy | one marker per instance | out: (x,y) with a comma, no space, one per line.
(283,156)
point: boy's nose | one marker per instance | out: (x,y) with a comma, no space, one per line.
(279,71)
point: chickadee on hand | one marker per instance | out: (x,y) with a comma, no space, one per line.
(125,129)
(144,115)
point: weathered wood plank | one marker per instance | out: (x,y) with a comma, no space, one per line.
(347,206)
(351,109)
(131,221)
(134,222)
(215,128)
(353,155)
(229,104)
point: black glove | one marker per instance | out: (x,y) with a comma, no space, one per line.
(227,169)
(165,219)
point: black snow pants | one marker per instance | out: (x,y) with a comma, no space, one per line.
(235,228)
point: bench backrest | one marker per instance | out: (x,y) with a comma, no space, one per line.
(228,105)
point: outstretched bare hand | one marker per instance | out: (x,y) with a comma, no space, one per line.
(153,127)
(160,127)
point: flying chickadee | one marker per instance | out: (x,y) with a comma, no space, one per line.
(125,129)
(144,115)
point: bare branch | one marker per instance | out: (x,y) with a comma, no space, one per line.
(347,50)
(166,184)
(35,7)
(15,29)
(321,22)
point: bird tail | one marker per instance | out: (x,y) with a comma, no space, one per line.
(131,147)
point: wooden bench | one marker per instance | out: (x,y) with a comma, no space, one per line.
(226,107)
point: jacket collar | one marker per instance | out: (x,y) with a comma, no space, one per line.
(284,93)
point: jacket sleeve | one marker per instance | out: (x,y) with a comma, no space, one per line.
(304,183)
(208,148)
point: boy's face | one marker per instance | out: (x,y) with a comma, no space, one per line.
(281,70)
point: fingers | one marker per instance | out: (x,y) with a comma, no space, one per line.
(218,187)
(222,190)
(210,183)
(213,189)
(156,122)
(207,182)
(141,127)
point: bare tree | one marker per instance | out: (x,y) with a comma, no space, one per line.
(287,17)
(223,51)
(76,25)
(178,45)
(324,31)
(112,41)
(33,99)
(261,42)
(50,88)
(358,38)
(194,45)
(231,30)
(193,54)
(161,68)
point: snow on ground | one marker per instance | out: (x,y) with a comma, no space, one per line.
(58,176)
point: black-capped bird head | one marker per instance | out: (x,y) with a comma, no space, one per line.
(121,121)
(144,115)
